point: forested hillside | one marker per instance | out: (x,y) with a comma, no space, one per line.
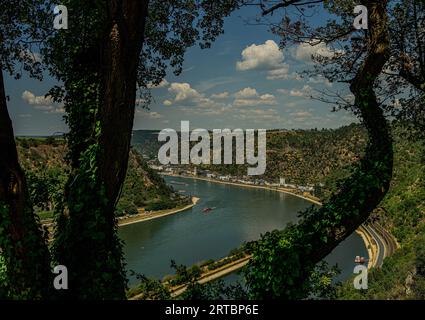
(325,156)
(316,157)
(301,156)
(306,156)
(402,212)
(46,169)
(146,142)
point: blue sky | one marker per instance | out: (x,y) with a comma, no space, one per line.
(243,81)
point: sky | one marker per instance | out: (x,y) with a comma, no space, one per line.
(243,81)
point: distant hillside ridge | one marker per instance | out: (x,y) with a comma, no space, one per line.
(43,160)
(314,156)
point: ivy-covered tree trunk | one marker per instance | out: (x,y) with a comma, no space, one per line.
(120,61)
(101,94)
(283,261)
(22,245)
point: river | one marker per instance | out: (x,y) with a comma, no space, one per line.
(240,214)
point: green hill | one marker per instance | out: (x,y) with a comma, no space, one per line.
(324,157)
(302,157)
(402,212)
(43,160)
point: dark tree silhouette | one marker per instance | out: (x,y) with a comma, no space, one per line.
(284,261)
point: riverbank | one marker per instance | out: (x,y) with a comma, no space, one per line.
(127,220)
(367,237)
(206,276)
(278,189)
(140,217)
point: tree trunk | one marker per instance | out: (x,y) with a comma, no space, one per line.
(123,44)
(363,192)
(302,246)
(87,241)
(21,242)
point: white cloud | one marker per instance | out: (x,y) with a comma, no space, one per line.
(320,80)
(154,115)
(183,92)
(34,100)
(209,84)
(263,56)
(59,110)
(348,98)
(283,91)
(279,73)
(258,115)
(301,114)
(148,114)
(185,95)
(250,97)
(266,57)
(305,92)
(294,104)
(246,93)
(41,103)
(213,111)
(222,95)
(305,51)
(167,103)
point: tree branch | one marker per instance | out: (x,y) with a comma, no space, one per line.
(287,3)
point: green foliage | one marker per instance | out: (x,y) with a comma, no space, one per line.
(162,205)
(96,266)
(21,24)
(3,278)
(420,256)
(222,262)
(300,156)
(171,28)
(126,207)
(321,281)
(276,268)
(404,206)
(97,242)
(189,276)
(184,274)
(151,289)
(25,257)
(46,188)
(144,188)
(19,281)
(398,278)
(47,171)
(215,290)
(283,262)
(401,212)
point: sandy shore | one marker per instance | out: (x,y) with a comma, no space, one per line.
(155,215)
(283,190)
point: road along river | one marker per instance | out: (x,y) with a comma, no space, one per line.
(239,214)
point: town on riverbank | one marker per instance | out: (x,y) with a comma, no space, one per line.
(215,269)
(307,192)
